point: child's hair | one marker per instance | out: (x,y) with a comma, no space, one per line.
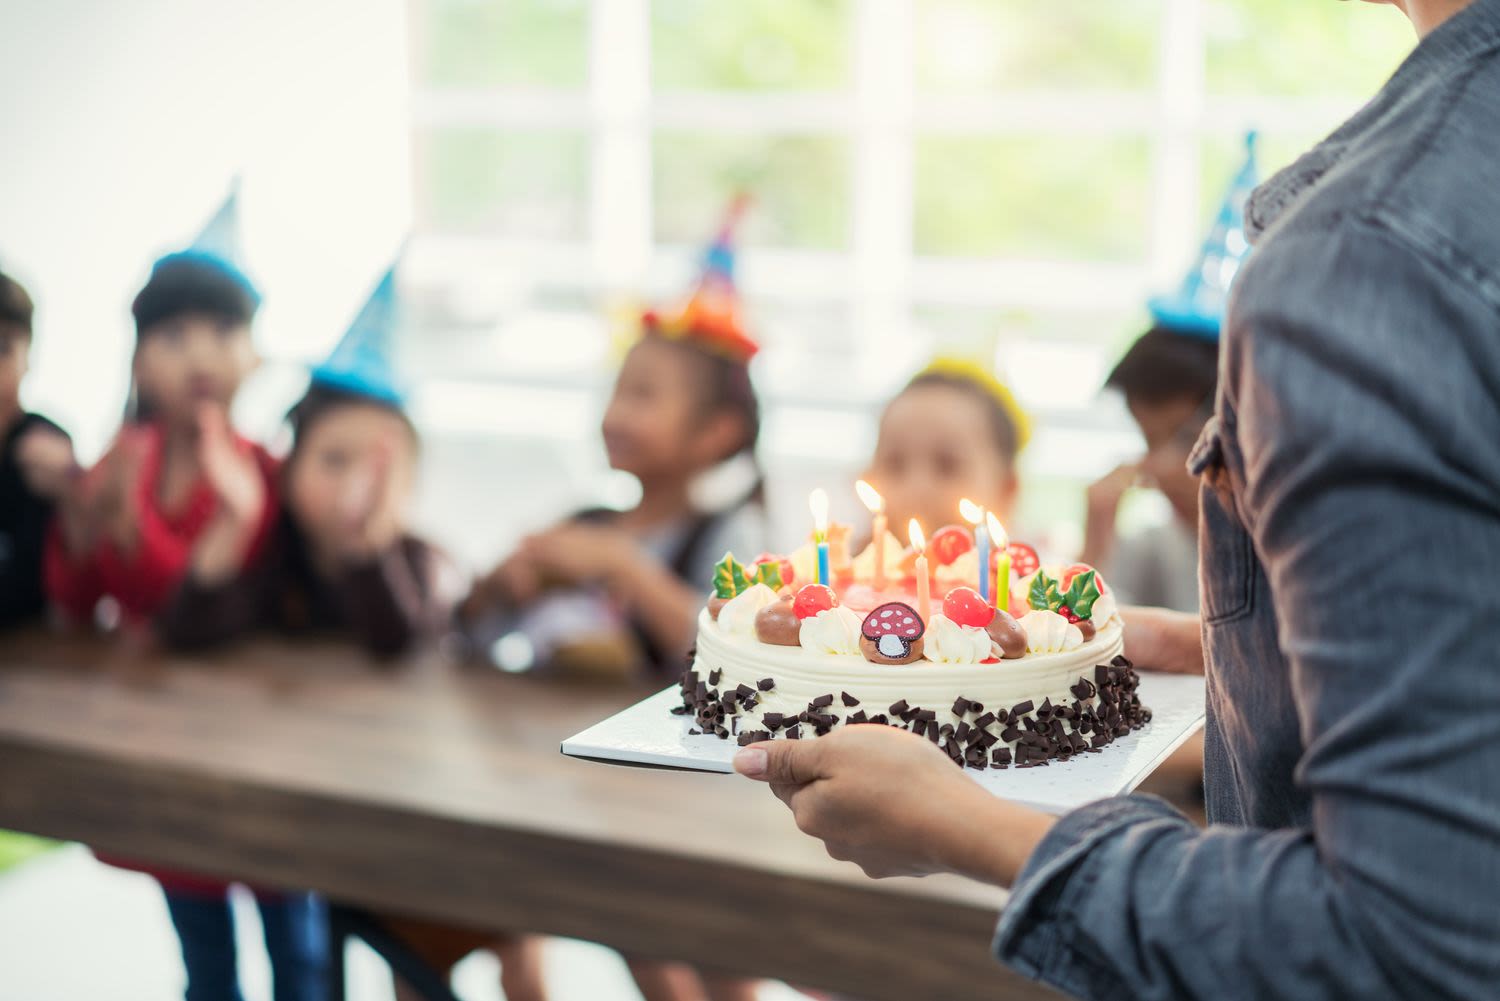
(321,399)
(1010,428)
(1164,365)
(15,306)
(191,282)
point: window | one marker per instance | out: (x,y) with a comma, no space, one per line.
(999,178)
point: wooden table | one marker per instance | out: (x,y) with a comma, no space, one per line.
(437,789)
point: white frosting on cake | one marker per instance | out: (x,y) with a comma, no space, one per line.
(738,614)
(1048,632)
(803,674)
(832,631)
(947,642)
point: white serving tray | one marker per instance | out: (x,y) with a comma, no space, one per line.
(648,735)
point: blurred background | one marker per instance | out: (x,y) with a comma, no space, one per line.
(1003,179)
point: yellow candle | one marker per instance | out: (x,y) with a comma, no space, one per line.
(924,586)
(878,527)
(818,502)
(1001,543)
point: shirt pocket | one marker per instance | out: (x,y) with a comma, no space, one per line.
(1226,562)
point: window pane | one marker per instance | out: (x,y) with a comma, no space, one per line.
(1293,47)
(989,45)
(526,183)
(799,186)
(750,44)
(502,43)
(1032,197)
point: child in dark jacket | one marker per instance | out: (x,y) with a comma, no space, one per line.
(36,467)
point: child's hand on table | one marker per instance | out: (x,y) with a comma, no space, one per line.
(582,553)
(895,805)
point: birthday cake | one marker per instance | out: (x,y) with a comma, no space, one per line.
(797,646)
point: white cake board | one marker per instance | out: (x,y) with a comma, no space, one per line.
(647,735)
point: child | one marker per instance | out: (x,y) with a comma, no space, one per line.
(36,466)
(683,404)
(954,431)
(131,526)
(132,520)
(1168,379)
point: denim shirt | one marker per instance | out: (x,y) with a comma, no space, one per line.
(1350,584)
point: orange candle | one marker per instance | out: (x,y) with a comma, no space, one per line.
(924,586)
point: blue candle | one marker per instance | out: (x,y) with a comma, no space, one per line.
(974,515)
(818,502)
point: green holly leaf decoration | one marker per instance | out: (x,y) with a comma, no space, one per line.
(769,574)
(1043,595)
(1082,593)
(730,577)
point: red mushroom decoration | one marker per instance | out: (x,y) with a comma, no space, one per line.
(892,634)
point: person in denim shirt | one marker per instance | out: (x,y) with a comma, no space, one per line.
(1350,535)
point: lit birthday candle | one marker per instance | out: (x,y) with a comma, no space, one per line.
(1001,542)
(924,586)
(974,515)
(818,502)
(878,527)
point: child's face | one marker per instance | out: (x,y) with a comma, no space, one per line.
(189,359)
(937,446)
(654,425)
(1170,429)
(14,347)
(355,456)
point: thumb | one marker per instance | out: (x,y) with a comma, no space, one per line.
(780,762)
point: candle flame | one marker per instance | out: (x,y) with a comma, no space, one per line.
(998,538)
(869,496)
(918,540)
(818,502)
(972,513)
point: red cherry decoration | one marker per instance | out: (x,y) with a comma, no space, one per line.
(949,543)
(1023,559)
(964,606)
(812,599)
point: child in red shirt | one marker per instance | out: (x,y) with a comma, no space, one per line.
(128,527)
(127,530)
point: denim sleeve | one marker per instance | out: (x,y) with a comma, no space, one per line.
(1362,371)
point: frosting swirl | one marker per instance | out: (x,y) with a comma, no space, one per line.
(1048,632)
(833,630)
(738,614)
(947,642)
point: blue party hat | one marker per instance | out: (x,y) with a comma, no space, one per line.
(363,361)
(1197,307)
(218,243)
(220,236)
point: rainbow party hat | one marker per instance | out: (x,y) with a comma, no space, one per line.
(711,316)
(363,361)
(1197,307)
